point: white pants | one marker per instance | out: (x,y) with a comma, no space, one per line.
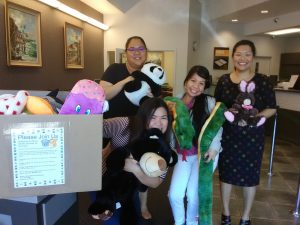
(185,182)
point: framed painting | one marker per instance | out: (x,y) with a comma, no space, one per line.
(23,36)
(221,58)
(73,47)
(155,57)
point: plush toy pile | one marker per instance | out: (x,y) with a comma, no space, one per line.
(148,80)
(86,97)
(23,103)
(207,134)
(119,185)
(242,112)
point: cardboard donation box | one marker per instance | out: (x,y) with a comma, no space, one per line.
(50,154)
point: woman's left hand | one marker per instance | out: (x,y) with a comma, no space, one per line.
(131,165)
(210,155)
(149,93)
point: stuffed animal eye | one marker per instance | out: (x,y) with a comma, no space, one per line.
(77,109)
(88,112)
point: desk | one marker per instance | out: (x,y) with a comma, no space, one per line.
(288,99)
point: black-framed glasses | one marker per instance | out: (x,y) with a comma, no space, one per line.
(138,49)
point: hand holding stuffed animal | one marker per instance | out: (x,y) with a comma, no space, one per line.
(146,82)
(242,112)
(119,185)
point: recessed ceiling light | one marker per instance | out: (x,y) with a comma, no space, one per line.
(264,11)
(234,20)
(284,31)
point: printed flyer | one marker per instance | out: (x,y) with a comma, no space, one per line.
(38,157)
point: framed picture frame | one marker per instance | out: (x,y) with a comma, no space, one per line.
(221,58)
(23,36)
(74,51)
(156,57)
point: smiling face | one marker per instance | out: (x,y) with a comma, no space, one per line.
(243,58)
(136,53)
(159,120)
(194,86)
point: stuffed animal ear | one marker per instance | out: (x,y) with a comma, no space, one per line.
(243,86)
(250,87)
(55,102)
(152,164)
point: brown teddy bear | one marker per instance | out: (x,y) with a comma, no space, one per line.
(242,112)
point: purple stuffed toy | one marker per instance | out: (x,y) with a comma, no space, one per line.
(242,112)
(86,97)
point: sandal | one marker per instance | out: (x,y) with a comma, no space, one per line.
(225,220)
(245,222)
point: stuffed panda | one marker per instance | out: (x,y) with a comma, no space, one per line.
(148,80)
(119,186)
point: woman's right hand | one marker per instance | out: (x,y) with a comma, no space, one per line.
(103,216)
(128,79)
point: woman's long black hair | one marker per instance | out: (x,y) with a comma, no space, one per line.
(199,111)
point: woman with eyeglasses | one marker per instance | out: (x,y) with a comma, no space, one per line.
(243,145)
(113,81)
(118,74)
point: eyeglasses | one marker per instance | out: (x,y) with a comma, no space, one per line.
(138,49)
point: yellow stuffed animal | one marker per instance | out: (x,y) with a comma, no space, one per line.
(38,106)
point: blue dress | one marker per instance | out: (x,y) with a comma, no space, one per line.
(240,160)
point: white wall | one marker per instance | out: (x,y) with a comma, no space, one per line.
(219,8)
(226,35)
(284,21)
(215,34)
(174,25)
(291,44)
(163,25)
(194,34)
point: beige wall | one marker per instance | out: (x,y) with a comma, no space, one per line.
(53,74)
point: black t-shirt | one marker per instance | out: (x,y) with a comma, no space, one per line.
(118,105)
